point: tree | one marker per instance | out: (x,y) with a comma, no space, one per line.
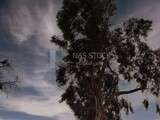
(92,44)
(6,84)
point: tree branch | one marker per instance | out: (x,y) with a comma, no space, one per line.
(122,93)
(103,69)
(130,91)
(111,69)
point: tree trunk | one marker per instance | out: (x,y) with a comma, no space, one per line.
(100,113)
(100,116)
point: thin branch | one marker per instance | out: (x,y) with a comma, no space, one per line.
(130,91)
(103,69)
(111,69)
(122,93)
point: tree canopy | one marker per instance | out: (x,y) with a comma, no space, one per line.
(92,44)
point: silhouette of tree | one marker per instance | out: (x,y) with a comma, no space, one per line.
(6,84)
(93,79)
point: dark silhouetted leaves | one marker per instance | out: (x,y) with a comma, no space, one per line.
(146,104)
(157,109)
(92,92)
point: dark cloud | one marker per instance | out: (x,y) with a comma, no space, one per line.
(12,115)
(25,91)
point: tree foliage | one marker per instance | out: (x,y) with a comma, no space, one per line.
(93,91)
(7,81)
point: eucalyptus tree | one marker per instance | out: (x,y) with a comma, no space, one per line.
(93,44)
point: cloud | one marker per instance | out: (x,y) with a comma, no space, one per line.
(64,116)
(29,18)
(157,119)
(28,27)
(12,115)
(46,104)
(25,33)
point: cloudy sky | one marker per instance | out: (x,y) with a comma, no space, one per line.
(26,27)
